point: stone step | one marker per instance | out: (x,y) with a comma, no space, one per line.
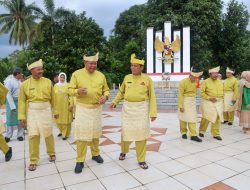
(165,99)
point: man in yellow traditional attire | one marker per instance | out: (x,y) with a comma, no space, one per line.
(3,145)
(91,91)
(35,101)
(230,96)
(212,104)
(187,105)
(138,92)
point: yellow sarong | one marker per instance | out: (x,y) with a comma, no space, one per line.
(211,110)
(88,122)
(135,121)
(39,119)
(190,114)
(227,102)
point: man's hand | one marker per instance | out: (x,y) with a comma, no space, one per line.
(23,123)
(213,100)
(102,100)
(14,110)
(182,110)
(152,118)
(71,108)
(82,91)
(248,106)
(56,116)
(112,106)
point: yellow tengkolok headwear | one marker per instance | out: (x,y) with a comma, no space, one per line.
(133,60)
(214,70)
(195,74)
(229,70)
(38,63)
(91,58)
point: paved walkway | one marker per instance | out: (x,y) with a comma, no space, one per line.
(174,163)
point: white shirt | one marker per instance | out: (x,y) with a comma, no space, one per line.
(13,86)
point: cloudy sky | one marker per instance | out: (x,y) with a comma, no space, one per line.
(105,12)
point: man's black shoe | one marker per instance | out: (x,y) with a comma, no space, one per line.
(79,167)
(7,139)
(184,136)
(195,138)
(98,159)
(230,123)
(218,138)
(8,155)
(20,138)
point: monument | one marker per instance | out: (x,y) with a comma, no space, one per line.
(168,51)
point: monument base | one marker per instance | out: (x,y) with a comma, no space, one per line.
(157,77)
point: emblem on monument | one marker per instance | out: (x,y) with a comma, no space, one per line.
(168,49)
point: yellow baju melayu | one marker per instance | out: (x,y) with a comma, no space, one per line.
(3,93)
(62,103)
(187,101)
(88,124)
(230,94)
(35,99)
(3,145)
(139,105)
(211,112)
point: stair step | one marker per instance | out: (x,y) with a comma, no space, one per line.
(165,99)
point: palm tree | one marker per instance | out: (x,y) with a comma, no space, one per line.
(48,18)
(20,21)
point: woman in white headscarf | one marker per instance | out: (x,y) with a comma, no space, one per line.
(244,101)
(64,106)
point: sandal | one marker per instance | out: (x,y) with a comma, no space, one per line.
(52,158)
(143,165)
(122,156)
(32,167)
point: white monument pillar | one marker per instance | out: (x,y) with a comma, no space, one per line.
(186,49)
(167,33)
(158,56)
(177,55)
(150,50)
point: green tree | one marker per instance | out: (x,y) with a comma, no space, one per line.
(204,19)
(75,35)
(5,69)
(130,26)
(48,19)
(234,39)
(20,21)
(129,37)
(202,16)
(159,11)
